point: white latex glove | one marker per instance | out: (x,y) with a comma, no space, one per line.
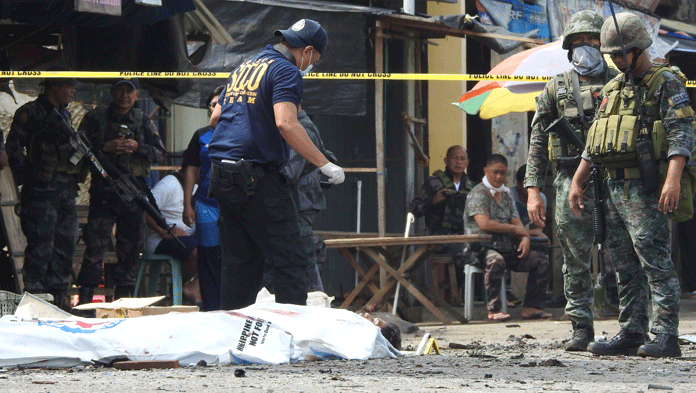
(334,172)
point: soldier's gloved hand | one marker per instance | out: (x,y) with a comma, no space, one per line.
(334,172)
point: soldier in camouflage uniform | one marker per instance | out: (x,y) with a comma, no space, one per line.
(39,157)
(441,201)
(490,209)
(575,235)
(129,141)
(649,102)
(308,197)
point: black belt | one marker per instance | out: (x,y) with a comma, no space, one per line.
(243,173)
(256,168)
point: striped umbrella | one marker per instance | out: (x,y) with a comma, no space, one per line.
(489,99)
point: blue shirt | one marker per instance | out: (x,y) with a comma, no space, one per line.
(196,155)
(246,128)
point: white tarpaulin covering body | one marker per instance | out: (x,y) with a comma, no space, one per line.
(262,333)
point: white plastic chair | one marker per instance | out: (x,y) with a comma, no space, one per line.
(469,271)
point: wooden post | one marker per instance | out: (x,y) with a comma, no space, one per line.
(379,141)
(379,131)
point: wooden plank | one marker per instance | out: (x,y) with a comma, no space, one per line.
(442,303)
(349,235)
(16,242)
(403,241)
(421,252)
(398,275)
(140,365)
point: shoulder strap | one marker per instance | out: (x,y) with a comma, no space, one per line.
(576,92)
(561,87)
(653,78)
(444,178)
(139,118)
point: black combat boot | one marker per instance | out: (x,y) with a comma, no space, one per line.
(86,294)
(59,300)
(582,336)
(662,346)
(624,343)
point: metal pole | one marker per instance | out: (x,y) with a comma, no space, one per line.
(409,219)
(357,225)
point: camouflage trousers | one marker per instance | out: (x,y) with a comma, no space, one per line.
(638,232)
(306,220)
(50,226)
(130,235)
(536,264)
(576,237)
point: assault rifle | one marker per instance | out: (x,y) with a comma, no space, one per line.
(562,128)
(126,186)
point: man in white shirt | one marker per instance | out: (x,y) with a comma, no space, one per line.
(169,195)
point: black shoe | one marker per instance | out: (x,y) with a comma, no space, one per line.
(662,346)
(583,335)
(623,343)
(59,300)
(85,295)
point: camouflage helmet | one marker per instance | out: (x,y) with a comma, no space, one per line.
(582,22)
(633,31)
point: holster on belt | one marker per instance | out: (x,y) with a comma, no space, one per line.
(244,173)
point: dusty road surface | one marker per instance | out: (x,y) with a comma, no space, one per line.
(511,357)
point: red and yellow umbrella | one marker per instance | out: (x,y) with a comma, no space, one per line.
(489,99)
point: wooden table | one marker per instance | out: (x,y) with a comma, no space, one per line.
(384,253)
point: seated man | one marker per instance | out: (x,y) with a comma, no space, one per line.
(491,210)
(519,195)
(441,201)
(169,195)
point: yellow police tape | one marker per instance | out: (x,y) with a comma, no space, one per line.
(317,75)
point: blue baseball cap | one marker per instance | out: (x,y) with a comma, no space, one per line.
(133,82)
(305,32)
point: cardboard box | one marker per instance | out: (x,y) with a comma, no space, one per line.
(141,312)
(133,307)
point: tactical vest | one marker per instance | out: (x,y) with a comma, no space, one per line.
(566,107)
(49,153)
(627,114)
(454,211)
(108,130)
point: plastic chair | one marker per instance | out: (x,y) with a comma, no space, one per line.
(469,271)
(155,262)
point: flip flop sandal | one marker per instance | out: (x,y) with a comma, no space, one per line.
(499,317)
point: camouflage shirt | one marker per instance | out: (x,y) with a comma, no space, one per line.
(480,201)
(674,110)
(28,121)
(303,175)
(444,218)
(548,109)
(150,145)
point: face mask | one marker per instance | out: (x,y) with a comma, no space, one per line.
(307,70)
(309,67)
(588,60)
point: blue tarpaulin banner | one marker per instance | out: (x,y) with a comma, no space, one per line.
(516,15)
